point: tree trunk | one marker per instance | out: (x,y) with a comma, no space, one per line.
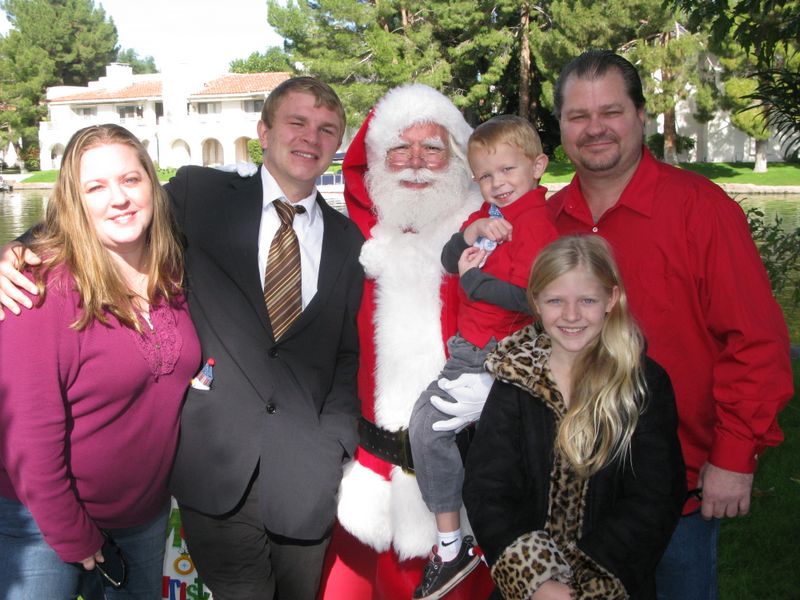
(670,137)
(761,157)
(525,62)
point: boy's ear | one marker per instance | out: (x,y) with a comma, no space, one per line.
(539,165)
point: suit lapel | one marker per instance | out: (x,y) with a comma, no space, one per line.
(244,221)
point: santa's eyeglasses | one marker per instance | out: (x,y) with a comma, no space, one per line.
(402,156)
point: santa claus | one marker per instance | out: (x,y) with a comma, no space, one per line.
(408,187)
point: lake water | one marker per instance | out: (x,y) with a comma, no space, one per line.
(20,210)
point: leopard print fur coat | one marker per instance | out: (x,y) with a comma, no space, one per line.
(551,553)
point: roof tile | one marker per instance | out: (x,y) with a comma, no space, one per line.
(242,83)
(142,89)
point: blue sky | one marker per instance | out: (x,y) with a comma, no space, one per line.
(197,34)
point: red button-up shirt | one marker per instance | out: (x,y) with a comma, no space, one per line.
(699,290)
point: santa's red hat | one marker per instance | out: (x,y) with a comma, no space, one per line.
(399,109)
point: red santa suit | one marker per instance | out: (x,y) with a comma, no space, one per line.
(385,532)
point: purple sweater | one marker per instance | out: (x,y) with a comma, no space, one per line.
(89,420)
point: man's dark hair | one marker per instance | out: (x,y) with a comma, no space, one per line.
(594,64)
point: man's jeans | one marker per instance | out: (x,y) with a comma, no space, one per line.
(32,569)
(688,569)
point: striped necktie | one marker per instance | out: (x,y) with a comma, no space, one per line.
(282,282)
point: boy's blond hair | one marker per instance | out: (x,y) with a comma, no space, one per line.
(506,129)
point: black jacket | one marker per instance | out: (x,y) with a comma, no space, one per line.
(287,408)
(628,510)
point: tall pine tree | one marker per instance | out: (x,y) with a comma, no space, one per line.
(670,64)
(52,42)
(361,48)
(274,60)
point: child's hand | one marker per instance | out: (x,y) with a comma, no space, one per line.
(498,230)
(471,258)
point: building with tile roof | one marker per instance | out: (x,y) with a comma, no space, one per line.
(180,118)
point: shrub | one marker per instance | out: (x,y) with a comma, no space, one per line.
(780,251)
(559,155)
(255,151)
(656,144)
(30,157)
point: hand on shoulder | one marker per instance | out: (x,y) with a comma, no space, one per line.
(12,281)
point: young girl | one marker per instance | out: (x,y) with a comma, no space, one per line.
(575,481)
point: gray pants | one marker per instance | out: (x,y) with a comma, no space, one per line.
(437,461)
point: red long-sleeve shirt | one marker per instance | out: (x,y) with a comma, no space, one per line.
(700,292)
(511,262)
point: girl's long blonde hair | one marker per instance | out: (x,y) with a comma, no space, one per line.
(68,237)
(607,382)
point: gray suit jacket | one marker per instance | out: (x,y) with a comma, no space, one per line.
(289,408)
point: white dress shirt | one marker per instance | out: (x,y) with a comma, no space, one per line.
(307,226)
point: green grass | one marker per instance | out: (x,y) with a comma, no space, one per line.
(777,173)
(560,172)
(758,553)
(42,177)
(50,176)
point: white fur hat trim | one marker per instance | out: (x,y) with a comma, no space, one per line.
(408,105)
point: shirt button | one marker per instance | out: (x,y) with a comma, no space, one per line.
(595,229)
(271,409)
(273,353)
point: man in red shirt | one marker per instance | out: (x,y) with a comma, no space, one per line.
(697,287)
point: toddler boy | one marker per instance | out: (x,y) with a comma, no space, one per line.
(493,254)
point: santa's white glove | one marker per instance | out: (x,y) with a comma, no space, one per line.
(243,168)
(469,391)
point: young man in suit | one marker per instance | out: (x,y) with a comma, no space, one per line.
(260,455)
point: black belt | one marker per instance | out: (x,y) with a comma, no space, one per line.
(391,446)
(394,446)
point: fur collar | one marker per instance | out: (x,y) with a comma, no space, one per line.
(522,360)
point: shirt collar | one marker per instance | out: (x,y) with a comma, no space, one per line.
(638,195)
(273,191)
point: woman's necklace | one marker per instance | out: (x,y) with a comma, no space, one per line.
(146,317)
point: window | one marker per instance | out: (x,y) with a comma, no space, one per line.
(129,111)
(86,112)
(252,106)
(209,108)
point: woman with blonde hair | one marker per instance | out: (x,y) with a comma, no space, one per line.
(91,382)
(575,481)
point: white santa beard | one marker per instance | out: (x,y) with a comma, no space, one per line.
(406,267)
(414,208)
